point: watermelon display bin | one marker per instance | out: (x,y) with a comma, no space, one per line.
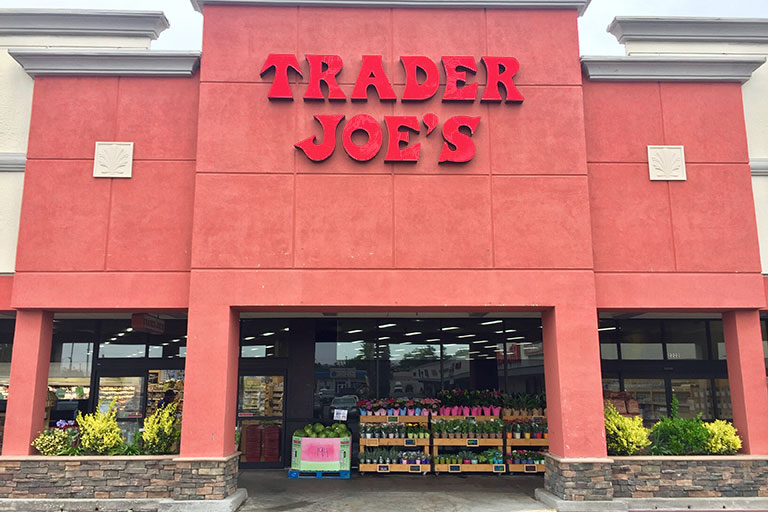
(325,456)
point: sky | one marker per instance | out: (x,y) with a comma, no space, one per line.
(186,24)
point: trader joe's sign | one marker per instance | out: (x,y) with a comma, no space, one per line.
(456,131)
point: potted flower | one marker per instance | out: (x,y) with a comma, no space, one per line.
(517,430)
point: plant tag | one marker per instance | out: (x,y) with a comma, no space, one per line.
(391,419)
(472,442)
(499,468)
(454,468)
(340,415)
(409,442)
(414,469)
(383,468)
(529,468)
(471,419)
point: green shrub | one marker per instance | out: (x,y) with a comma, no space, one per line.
(723,439)
(161,430)
(99,432)
(624,436)
(679,436)
(52,442)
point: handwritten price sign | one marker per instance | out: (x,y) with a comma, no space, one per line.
(320,450)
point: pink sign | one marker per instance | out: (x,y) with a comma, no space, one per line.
(320,449)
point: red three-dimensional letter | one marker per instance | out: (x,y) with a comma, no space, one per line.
(394,153)
(371,148)
(465,148)
(372,73)
(501,70)
(414,91)
(320,152)
(281,89)
(317,75)
(453,76)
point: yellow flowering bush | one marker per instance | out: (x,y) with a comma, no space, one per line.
(723,439)
(624,436)
(51,442)
(99,432)
(161,430)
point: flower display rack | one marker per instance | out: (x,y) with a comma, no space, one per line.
(421,444)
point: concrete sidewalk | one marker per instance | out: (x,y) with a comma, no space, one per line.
(273,491)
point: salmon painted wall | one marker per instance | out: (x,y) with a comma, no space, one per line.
(520,204)
(693,236)
(96,230)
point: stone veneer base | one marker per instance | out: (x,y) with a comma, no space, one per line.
(645,504)
(167,478)
(632,479)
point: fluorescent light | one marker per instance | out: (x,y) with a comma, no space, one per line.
(491,322)
(165,344)
(449,328)
(384,326)
(516,338)
(384,338)
(249,338)
(511,330)
(358,341)
(474,352)
(467,336)
(121,334)
(129,329)
(286,329)
(479,341)
(354,331)
(607,329)
(434,339)
(413,333)
(268,334)
(270,346)
(499,332)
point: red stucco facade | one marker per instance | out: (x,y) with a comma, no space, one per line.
(555,213)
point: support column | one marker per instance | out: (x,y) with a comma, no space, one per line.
(210,382)
(746,375)
(573,377)
(28,386)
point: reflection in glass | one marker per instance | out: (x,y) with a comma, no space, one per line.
(264,338)
(686,339)
(695,396)
(640,339)
(650,394)
(260,396)
(128,393)
(723,396)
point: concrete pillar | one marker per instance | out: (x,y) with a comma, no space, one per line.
(746,375)
(574,382)
(210,382)
(28,386)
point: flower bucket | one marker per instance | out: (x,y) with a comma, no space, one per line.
(362,412)
(411,412)
(390,412)
(381,412)
(417,411)
(466,411)
(495,411)
(486,411)
(476,411)
(455,411)
(516,434)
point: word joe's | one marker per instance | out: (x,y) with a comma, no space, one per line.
(458,145)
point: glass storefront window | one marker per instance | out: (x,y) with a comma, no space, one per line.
(695,396)
(120,341)
(69,374)
(261,396)
(650,394)
(611,385)
(264,338)
(163,387)
(686,339)
(128,394)
(640,340)
(6,348)
(723,397)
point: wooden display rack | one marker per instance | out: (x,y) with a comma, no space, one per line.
(470,468)
(395,468)
(476,418)
(398,441)
(468,442)
(405,442)
(527,442)
(394,419)
(526,468)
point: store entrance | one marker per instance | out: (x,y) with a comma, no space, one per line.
(260,417)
